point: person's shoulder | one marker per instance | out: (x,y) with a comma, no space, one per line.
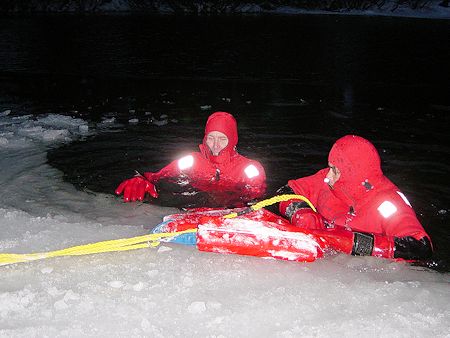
(251,167)
(241,159)
(193,155)
(188,159)
(318,175)
(389,198)
(314,180)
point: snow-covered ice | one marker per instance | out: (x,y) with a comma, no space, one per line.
(179,292)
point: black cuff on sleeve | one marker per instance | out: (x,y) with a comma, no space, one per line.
(294,206)
(362,244)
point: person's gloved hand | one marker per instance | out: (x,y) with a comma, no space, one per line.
(149,176)
(307,218)
(135,188)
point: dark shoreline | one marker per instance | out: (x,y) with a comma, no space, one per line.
(434,9)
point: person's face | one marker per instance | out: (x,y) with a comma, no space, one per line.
(333,175)
(216,142)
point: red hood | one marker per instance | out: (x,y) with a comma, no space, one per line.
(359,162)
(226,124)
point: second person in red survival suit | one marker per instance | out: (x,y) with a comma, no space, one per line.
(217,169)
(359,210)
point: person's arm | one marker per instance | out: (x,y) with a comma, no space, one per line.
(413,245)
(135,188)
(254,178)
(402,228)
(185,164)
(297,211)
(358,243)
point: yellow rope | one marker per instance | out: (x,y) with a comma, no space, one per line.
(270,201)
(134,242)
(87,249)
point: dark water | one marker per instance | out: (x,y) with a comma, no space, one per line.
(295,84)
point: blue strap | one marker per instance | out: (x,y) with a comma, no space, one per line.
(186,239)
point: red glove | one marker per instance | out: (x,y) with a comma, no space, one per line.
(307,218)
(135,188)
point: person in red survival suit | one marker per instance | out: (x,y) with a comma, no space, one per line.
(359,210)
(216,168)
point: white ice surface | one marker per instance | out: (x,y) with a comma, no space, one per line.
(174,290)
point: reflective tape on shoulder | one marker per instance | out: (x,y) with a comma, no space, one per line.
(387,209)
(404,198)
(186,162)
(251,171)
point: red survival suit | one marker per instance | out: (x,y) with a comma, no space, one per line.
(364,213)
(237,178)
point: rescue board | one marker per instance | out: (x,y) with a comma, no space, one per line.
(259,233)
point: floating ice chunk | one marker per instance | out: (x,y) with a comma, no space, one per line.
(5,112)
(116,284)
(39,133)
(3,141)
(22,117)
(108,120)
(160,123)
(303,102)
(54,135)
(61,121)
(205,107)
(133,121)
(174,120)
(442,212)
(83,128)
(197,307)
(226,99)
(163,116)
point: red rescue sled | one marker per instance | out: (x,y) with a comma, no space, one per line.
(258,233)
